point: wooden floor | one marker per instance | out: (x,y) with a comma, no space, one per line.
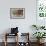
(13,44)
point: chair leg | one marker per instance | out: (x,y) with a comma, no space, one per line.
(5,43)
(5,40)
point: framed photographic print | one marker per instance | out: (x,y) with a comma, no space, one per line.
(17,13)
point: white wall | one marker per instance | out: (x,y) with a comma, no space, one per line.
(23,24)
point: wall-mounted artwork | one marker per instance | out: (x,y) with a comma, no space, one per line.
(17,13)
(41,8)
(41,12)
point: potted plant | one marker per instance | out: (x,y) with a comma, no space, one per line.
(39,35)
(42,27)
(35,26)
(38,27)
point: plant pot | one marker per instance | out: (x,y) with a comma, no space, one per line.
(40,41)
